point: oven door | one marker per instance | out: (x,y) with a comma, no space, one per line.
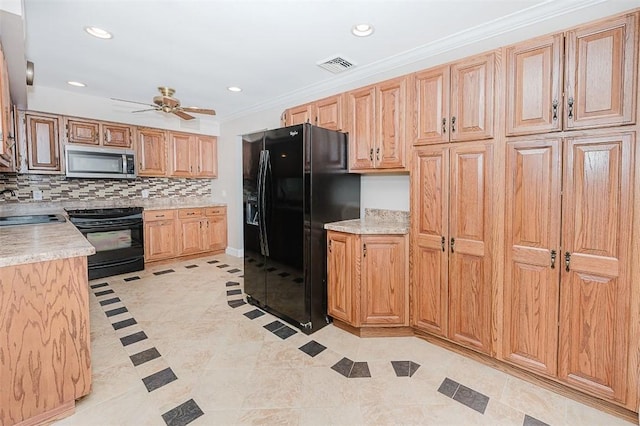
(118,243)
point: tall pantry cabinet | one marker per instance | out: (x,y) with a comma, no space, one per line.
(569,301)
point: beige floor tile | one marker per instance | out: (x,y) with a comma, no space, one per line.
(540,403)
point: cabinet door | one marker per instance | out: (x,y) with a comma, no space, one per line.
(43,145)
(340,279)
(207,156)
(159,240)
(601,83)
(429,94)
(117,136)
(534,86)
(469,245)
(80,131)
(383,283)
(329,113)
(181,152)
(596,282)
(472,98)
(152,152)
(5,105)
(191,236)
(361,113)
(430,228)
(391,105)
(300,115)
(217,232)
(533,261)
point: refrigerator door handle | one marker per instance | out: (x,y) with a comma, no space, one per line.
(266,172)
(259,201)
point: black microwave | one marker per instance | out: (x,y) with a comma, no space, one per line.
(99,163)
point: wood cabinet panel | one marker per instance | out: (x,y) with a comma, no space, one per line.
(390,124)
(361,128)
(5,107)
(42,142)
(207,156)
(82,131)
(534,86)
(45,339)
(117,135)
(299,115)
(216,228)
(596,286)
(340,277)
(472,98)
(329,113)
(430,228)
(191,236)
(159,235)
(470,289)
(152,152)
(181,147)
(601,86)
(533,261)
(383,280)
(430,98)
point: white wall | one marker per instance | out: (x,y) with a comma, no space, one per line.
(389,192)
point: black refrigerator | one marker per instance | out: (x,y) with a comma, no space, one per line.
(295,179)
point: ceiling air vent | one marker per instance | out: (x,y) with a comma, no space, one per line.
(336,64)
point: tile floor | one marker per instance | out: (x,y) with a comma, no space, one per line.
(176,345)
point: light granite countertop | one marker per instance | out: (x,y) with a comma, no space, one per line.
(375,221)
(42,242)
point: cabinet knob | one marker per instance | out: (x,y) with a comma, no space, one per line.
(442,242)
(452,243)
(364,250)
(371,154)
(554,108)
(453,124)
(570,105)
(444,127)
(377,154)
(567,261)
(553,259)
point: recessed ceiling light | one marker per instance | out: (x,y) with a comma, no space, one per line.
(76,83)
(362,30)
(234,89)
(98,32)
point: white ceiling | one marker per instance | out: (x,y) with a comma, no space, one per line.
(267,47)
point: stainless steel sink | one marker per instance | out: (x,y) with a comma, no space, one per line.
(31,219)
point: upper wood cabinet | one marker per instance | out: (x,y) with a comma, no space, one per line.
(42,143)
(454,102)
(599,85)
(6,134)
(152,152)
(376,126)
(91,132)
(327,113)
(192,155)
(452,211)
(299,115)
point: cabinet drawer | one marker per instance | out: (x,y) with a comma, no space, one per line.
(214,211)
(189,213)
(159,215)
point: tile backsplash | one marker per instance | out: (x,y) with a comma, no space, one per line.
(56,188)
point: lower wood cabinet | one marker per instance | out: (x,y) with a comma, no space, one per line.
(368,279)
(173,233)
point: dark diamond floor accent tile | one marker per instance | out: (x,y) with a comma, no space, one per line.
(236,303)
(232,283)
(273,326)
(116,311)
(109,301)
(414,368)
(343,366)
(233,271)
(159,379)
(360,369)
(448,387)
(99,285)
(234,292)
(284,274)
(166,271)
(133,338)
(102,293)
(122,324)
(532,421)
(144,356)
(404,368)
(224,265)
(284,332)
(271,269)
(132,278)
(472,399)
(191,266)
(299,280)
(213,261)
(183,414)
(312,348)
(256,313)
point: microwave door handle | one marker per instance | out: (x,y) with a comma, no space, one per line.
(124,163)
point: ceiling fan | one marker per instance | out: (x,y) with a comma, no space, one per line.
(167,103)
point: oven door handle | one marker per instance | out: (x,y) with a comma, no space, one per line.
(111,263)
(112,224)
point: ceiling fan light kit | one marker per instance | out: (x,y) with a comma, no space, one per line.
(168,104)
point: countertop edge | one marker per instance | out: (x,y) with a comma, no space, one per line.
(368,227)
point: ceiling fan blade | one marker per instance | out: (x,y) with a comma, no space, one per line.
(131,102)
(183,115)
(199,110)
(149,109)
